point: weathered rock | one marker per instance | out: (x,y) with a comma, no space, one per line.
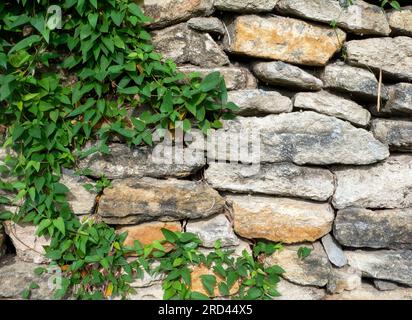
(146,233)
(259,102)
(139,200)
(147,280)
(281,219)
(290,291)
(368,292)
(392,55)
(347,278)
(313,270)
(333,105)
(285,39)
(395,133)
(212,25)
(184,45)
(236,78)
(283,74)
(124,162)
(299,137)
(243,6)
(212,229)
(401,21)
(167,12)
(400,99)
(154,292)
(2,242)
(358,82)
(383,185)
(391,228)
(29,247)
(334,251)
(282,179)
(16,276)
(383,285)
(360,17)
(389,265)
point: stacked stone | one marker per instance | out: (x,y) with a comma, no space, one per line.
(336,172)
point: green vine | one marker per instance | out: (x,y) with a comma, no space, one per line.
(94,78)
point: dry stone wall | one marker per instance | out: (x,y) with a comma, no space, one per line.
(335,142)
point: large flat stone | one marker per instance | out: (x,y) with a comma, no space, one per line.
(383,185)
(360,17)
(397,134)
(401,21)
(383,264)
(281,219)
(368,292)
(333,105)
(243,6)
(392,55)
(391,228)
(132,201)
(285,39)
(282,179)
(212,25)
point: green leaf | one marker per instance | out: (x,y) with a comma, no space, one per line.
(210,82)
(304,252)
(209,283)
(59,224)
(254,293)
(45,223)
(198,296)
(26,294)
(93,19)
(26,42)
(169,235)
(117,17)
(60,188)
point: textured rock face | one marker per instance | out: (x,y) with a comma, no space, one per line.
(285,39)
(393,55)
(259,102)
(395,133)
(314,270)
(401,21)
(154,292)
(333,105)
(184,45)
(16,276)
(29,247)
(344,279)
(245,5)
(283,74)
(334,251)
(281,219)
(358,82)
(290,291)
(400,99)
(302,138)
(212,25)
(81,201)
(368,292)
(282,179)
(2,242)
(139,200)
(213,229)
(236,78)
(383,264)
(383,285)
(167,12)
(384,185)
(123,162)
(360,18)
(355,227)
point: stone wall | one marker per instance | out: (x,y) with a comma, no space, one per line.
(333,107)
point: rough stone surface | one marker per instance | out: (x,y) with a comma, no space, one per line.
(358,82)
(314,270)
(259,102)
(211,25)
(347,278)
(29,247)
(334,251)
(299,137)
(392,55)
(383,285)
(368,292)
(243,6)
(138,200)
(211,229)
(2,241)
(236,78)
(16,276)
(291,291)
(400,99)
(282,179)
(391,228)
(389,265)
(123,162)
(154,292)
(184,45)
(285,39)
(167,12)
(283,74)
(281,219)
(333,105)
(395,133)
(360,17)
(401,21)
(383,185)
